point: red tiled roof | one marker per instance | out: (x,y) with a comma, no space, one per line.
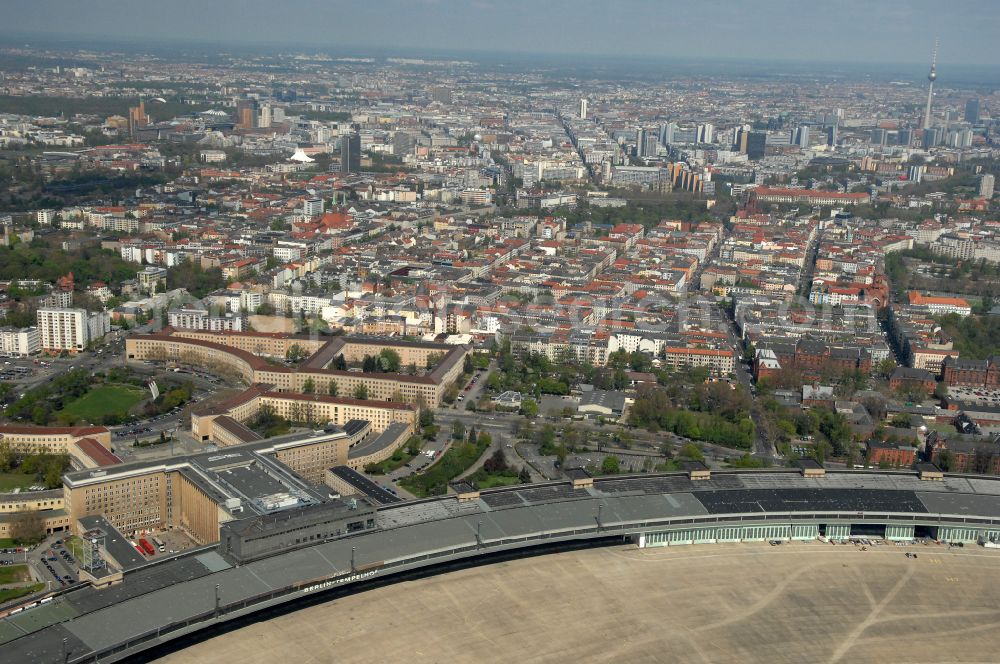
(55,431)
(97,452)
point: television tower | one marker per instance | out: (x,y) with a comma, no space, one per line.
(931,76)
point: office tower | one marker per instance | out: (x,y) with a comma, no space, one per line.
(831,136)
(583,109)
(312,207)
(247,114)
(755,142)
(972,111)
(350,153)
(403,143)
(877,136)
(640,142)
(904,136)
(986,181)
(137,118)
(706,133)
(961,138)
(441,94)
(649,144)
(931,137)
(265,116)
(667,133)
(931,77)
(802,136)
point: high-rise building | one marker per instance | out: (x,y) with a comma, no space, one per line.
(350,153)
(904,137)
(265,116)
(931,138)
(137,118)
(667,133)
(640,142)
(986,181)
(972,111)
(312,207)
(649,144)
(583,109)
(706,133)
(247,114)
(71,329)
(831,135)
(802,136)
(403,143)
(878,136)
(756,142)
(931,77)
(441,94)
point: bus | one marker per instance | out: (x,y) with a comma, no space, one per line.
(158,543)
(146,547)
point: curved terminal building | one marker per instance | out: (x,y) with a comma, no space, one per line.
(279,557)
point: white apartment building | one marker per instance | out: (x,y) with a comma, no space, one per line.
(71,329)
(312,207)
(19,342)
(45,217)
(199,319)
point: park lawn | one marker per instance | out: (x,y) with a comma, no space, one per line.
(104,400)
(14,593)
(493,480)
(14,574)
(11,481)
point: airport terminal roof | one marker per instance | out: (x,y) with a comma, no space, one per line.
(373,444)
(414,532)
(365,486)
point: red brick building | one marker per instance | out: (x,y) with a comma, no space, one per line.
(971,373)
(892,453)
(910,378)
(965,453)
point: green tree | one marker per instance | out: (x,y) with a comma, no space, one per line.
(691,452)
(611,465)
(361,392)
(885,368)
(332,388)
(389,360)
(309,387)
(457,430)
(529,408)
(7,457)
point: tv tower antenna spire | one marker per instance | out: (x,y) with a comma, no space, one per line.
(931,77)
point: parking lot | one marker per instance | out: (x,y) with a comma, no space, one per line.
(59,564)
(977,395)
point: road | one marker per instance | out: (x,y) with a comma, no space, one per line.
(763,448)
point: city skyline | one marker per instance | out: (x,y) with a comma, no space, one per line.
(719,29)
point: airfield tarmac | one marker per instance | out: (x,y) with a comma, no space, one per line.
(794,603)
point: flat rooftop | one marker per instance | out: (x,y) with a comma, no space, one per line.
(183,587)
(365,486)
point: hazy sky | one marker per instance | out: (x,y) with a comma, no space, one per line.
(831,30)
